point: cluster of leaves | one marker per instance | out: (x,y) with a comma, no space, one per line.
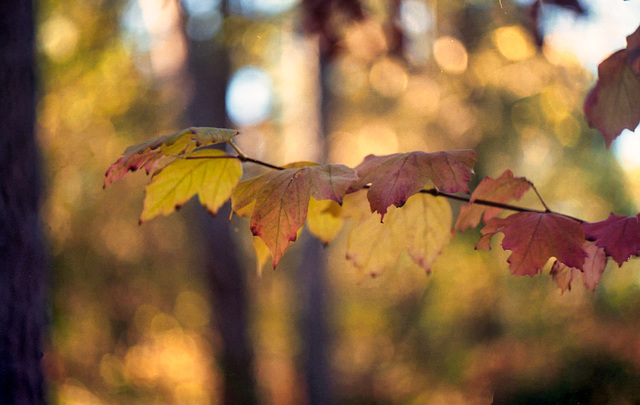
(280,201)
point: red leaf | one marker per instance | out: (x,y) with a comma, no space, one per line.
(593,267)
(614,103)
(619,236)
(282,200)
(501,190)
(395,178)
(535,237)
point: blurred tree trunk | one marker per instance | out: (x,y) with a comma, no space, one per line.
(22,258)
(313,285)
(209,69)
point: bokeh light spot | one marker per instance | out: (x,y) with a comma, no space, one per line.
(249,96)
(513,43)
(450,54)
(59,38)
(415,17)
(388,77)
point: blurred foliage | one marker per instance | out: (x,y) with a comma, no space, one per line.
(130,319)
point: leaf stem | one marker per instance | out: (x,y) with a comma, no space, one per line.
(539,196)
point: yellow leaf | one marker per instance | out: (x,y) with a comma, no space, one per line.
(149,154)
(211,177)
(422,227)
(262,254)
(324,219)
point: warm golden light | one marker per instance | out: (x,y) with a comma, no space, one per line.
(513,43)
(450,54)
(388,77)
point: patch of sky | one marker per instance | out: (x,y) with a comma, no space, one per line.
(134,32)
(249,96)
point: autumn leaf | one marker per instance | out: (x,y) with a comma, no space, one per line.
(422,228)
(395,178)
(148,154)
(534,237)
(282,199)
(324,219)
(210,176)
(593,268)
(618,235)
(614,103)
(500,190)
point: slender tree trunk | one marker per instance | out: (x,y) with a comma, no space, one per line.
(209,68)
(314,290)
(22,259)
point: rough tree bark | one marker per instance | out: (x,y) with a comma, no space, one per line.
(22,258)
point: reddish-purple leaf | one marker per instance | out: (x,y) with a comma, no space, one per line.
(534,237)
(148,154)
(395,178)
(282,200)
(592,271)
(500,190)
(614,103)
(619,236)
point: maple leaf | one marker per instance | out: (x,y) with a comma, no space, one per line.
(148,154)
(535,237)
(282,199)
(500,190)
(212,179)
(614,103)
(422,228)
(395,178)
(324,219)
(618,235)
(593,268)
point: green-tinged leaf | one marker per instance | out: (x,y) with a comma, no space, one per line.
(210,175)
(500,190)
(148,154)
(282,199)
(394,178)
(422,227)
(324,219)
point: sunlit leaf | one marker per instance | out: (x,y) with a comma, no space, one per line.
(210,176)
(501,190)
(262,254)
(395,178)
(533,238)
(282,199)
(422,227)
(148,154)
(324,219)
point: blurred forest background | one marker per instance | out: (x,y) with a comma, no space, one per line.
(174,311)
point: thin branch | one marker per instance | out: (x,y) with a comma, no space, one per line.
(436,193)
(432,191)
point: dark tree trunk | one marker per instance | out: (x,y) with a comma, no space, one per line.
(314,290)
(22,259)
(209,70)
